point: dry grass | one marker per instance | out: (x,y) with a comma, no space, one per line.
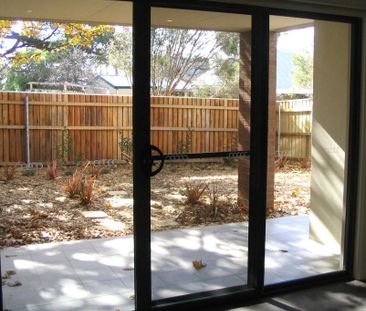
(73,186)
(9,172)
(95,171)
(214,195)
(87,189)
(305,163)
(194,191)
(281,162)
(52,170)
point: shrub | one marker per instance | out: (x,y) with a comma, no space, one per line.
(95,171)
(281,162)
(69,173)
(305,163)
(52,170)
(105,170)
(86,191)
(193,192)
(9,172)
(29,172)
(73,186)
(126,148)
(65,148)
(185,146)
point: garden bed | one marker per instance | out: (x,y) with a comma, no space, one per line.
(36,209)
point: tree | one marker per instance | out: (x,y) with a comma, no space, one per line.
(120,52)
(303,70)
(50,52)
(227,65)
(177,56)
(25,41)
(68,65)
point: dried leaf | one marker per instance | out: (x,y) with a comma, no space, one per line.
(198,264)
(128,269)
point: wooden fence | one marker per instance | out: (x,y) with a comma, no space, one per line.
(294,119)
(78,126)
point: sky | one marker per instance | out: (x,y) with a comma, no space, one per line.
(296,40)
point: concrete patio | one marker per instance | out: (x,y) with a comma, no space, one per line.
(98,274)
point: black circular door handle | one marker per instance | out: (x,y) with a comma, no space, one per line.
(159,165)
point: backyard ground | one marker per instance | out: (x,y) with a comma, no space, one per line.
(36,209)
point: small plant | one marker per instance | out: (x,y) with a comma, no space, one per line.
(95,171)
(9,172)
(185,146)
(305,163)
(281,162)
(73,186)
(86,191)
(68,173)
(65,148)
(214,198)
(105,170)
(229,161)
(125,146)
(29,171)
(193,192)
(52,170)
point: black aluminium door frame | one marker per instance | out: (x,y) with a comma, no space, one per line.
(259,113)
(142,156)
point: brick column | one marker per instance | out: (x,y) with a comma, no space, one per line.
(244,119)
(245,71)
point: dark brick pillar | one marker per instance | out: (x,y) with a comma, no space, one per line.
(244,119)
(244,116)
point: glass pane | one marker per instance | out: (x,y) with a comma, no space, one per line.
(66,233)
(200,104)
(308,138)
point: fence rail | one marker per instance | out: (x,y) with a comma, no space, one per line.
(78,126)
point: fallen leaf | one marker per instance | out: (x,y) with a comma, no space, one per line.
(198,264)
(128,269)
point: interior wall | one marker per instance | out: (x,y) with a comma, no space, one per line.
(360,245)
(338,7)
(330,131)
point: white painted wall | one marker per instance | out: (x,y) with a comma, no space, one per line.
(330,131)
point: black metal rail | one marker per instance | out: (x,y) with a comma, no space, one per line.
(204,155)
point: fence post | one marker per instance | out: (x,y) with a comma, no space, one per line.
(26,123)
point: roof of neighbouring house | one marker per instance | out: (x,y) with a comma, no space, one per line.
(116,81)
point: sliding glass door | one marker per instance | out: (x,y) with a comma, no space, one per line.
(308,147)
(216,192)
(200,129)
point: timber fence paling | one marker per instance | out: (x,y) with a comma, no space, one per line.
(294,122)
(84,126)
